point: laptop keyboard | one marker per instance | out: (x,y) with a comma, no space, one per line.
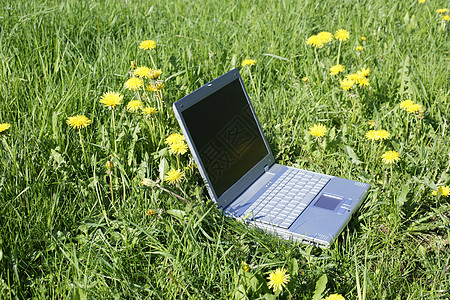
(287,197)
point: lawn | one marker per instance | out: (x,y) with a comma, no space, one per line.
(97,203)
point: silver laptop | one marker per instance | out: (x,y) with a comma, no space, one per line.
(239,170)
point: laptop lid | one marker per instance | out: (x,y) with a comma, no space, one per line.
(224,135)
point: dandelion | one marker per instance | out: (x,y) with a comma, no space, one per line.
(390,157)
(365,72)
(245,266)
(109,165)
(325,36)
(336,69)
(315,41)
(335,297)
(372,135)
(148,111)
(441,10)
(111,99)
(364,82)
(372,123)
(78,121)
(406,104)
(147,45)
(278,279)
(342,35)
(305,79)
(134,105)
(363,38)
(154,73)
(421,1)
(359,48)
(150,212)
(4,127)
(134,83)
(347,84)
(446,17)
(382,134)
(174,138)
(174,176)
(442,191)
(178,148)
(155,86)
(248,62)
(318,130)
(143,72)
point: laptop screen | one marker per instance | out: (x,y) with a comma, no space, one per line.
(226,135)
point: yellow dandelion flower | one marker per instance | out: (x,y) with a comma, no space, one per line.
(406,104)
(174,138)
(347,83)
(442,191)
(134,83)
(155,86)
(315,41)
(359,48)
(4,127)
(78,121)
(150,212)
(363,38)
(382,134)
(363,82)
(147,45)
(278,279)
(364,72)
(421,1)
(178,148)
(446,17)
(111,99)
(356,77)
(245,267)
(134,105)
(248,62)
(143,72)
(305,79)
(318,130)
(390,157)
(372,135)
(174,176)
(336,69)
(342,35)
(325,36)
(441,10)
(414,108)
(149,111)
(109,165)
(154,73)
(335,297)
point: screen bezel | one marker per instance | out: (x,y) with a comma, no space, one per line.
(198,95)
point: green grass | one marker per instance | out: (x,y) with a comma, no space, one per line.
(63,236)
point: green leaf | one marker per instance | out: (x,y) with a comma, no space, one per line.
(294,267)
(401,199)
(163,168)
(179,214)
(321,284)
(353,156)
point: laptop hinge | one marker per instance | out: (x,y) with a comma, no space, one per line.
(266,168)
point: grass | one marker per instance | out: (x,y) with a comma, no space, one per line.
(64,236)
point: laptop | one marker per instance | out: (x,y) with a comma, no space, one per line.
(240,173)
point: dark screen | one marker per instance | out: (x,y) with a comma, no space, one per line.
(328,202)
(226,135)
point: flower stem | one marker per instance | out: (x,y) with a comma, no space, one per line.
(82,147)
(114,132)
(339,52)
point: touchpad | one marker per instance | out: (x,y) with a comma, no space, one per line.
(328,202)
